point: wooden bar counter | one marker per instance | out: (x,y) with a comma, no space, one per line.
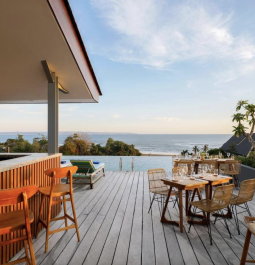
(17,170)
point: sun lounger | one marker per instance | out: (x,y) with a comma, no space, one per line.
(88,171)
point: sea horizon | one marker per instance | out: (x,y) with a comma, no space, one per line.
(148,144)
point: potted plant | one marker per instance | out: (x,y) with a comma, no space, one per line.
(202,155)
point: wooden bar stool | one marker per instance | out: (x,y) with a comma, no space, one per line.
(18,220)
(56,191)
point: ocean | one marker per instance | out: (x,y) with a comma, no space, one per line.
(146,143)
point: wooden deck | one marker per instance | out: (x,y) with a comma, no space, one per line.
(115,228)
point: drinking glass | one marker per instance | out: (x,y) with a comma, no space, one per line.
(228,154)
(181,173)
(207,155)
(220,155)
(175,176)
(216,172)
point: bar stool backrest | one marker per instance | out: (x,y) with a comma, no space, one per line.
(221,197)
(155,176)
(14,196)
(246,191)
(65,172)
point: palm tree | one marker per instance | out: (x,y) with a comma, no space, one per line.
(205,148)
(184,152)
(195,149)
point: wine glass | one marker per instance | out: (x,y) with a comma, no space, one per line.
(175,176)
(181,173)
(207,155)
(228,154)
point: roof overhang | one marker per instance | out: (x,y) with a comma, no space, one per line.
(36,30)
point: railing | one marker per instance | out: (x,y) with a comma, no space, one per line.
(132,164)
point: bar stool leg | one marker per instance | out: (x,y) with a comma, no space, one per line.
(48,225)
(246,247)
(31,249)
(26,251)
(75,219)
(64,203)
(40,215)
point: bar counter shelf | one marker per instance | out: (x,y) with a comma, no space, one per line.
(23,169)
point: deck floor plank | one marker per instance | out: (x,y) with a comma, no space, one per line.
(122,248)
(148,251)
(135,249)
(104,245)
(93,219)
(116,228)
(101,226)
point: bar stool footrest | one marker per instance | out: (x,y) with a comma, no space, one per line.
(61,229)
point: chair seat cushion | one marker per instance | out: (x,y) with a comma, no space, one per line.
(84,175)
(163,191)
(58,190)
(207,205)
(13,221)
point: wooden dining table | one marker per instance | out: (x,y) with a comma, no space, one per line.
(185,185)
(189,185)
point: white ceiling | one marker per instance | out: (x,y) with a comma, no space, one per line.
(29,34)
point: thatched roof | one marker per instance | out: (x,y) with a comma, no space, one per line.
(242,147)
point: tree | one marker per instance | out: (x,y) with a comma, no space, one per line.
(195,149)
(76,144)
(247,118)
(184,152)
(205,148)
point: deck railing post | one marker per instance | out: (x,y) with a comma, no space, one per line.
(120,163)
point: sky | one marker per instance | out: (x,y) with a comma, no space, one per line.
(163,66)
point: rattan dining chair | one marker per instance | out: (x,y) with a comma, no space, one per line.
(54,191)
(158,188)
(221,199)
(250,223)
(232,169)
(245,194)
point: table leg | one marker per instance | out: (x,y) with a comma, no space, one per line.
(187,202)
(163,217)
(181,211)
(196,168)
(246,247)
(189,169)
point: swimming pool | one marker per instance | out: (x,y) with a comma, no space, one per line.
(141,163)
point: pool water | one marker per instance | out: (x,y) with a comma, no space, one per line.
(141,163)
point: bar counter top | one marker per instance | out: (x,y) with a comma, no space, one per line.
(23,159)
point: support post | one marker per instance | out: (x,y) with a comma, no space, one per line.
(53,98)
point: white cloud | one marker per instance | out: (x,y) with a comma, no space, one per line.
(159,33)
(167,119)
(116,116)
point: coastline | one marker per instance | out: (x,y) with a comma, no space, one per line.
(158,154)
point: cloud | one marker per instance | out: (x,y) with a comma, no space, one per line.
(167,119)
(116,116)
(159,33)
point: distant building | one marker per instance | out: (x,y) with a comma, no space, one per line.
(238,146)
